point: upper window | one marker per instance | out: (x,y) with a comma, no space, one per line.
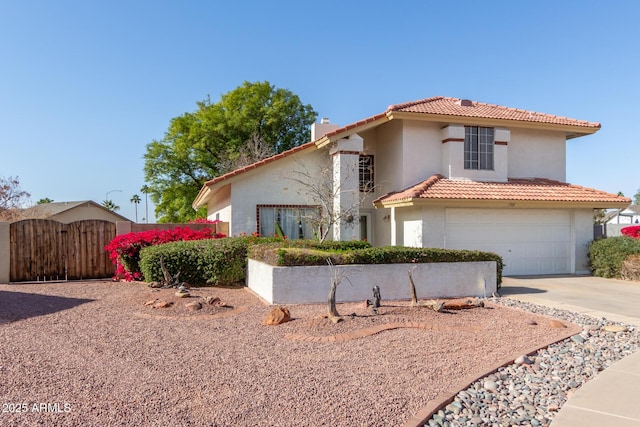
(366,173)
(478,148)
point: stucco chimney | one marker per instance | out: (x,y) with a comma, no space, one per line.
(318,130)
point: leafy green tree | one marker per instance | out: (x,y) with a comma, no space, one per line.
(44,200)
(636,197)
(252,122)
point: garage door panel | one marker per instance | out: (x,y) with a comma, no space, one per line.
(529,241)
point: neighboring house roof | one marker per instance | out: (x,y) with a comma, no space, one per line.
(437,187)
(439,108)
(47,210)
(634,209)
(629,211)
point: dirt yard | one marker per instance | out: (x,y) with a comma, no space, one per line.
(92,353)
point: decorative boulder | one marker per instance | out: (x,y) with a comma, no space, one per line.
(193,306)
(463,303)
(162,304)
(183,293)
(277,316)
(556,324)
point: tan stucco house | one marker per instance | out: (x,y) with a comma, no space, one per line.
(437,172)
(68,212)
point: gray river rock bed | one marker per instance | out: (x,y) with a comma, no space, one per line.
(530,391)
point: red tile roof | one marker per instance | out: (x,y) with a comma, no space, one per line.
(439,105)
(445,106)
(516,189)
(259,163)
(356,124)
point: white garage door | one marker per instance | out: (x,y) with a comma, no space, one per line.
(530,241)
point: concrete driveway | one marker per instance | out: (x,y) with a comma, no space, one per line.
(610,399)
(617,300)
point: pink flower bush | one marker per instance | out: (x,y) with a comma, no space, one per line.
(124,250)
(632,231)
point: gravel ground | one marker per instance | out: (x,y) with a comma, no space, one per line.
(91,353)
(531,393)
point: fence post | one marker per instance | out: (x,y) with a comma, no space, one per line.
(5,252)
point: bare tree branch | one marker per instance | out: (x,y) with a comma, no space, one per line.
(317,183)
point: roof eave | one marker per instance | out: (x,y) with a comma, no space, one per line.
(504,203)
(202,197)
(350,130)
(571,131)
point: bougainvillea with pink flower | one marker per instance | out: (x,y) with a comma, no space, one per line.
(632,231)
(124,250)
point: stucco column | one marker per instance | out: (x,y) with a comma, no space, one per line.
(346,203)
(5,252)
(394,232)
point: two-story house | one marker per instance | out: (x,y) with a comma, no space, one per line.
(438,172)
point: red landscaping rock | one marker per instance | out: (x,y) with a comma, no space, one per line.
(463,303)
(194,306)
(557,324)
(277,316)
(162,304)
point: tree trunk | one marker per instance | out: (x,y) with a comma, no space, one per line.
(414,297)
(165,273)
(331,302)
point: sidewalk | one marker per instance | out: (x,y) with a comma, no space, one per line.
(612,397)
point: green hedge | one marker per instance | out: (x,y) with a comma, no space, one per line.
(607,255)
(200,262)
(311,254)
(272,252)
(223,261)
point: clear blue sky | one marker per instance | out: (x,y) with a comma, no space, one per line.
(85,85)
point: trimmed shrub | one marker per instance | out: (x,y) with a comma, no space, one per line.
(272,251)
(201,262)
(278,255)
(606,256)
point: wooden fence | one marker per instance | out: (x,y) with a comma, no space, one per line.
(42,249)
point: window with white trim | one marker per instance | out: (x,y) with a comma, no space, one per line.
(292,222)
(478,148)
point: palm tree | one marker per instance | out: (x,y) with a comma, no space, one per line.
(110,205)
(135,200)
(145,189)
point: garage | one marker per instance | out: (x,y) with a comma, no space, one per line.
(531,241)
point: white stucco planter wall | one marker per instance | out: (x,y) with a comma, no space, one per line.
(299,285)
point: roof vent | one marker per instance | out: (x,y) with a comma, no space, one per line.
(466,103)
(325,120)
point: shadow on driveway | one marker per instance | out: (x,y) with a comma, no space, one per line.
(16,306)
(519,290)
